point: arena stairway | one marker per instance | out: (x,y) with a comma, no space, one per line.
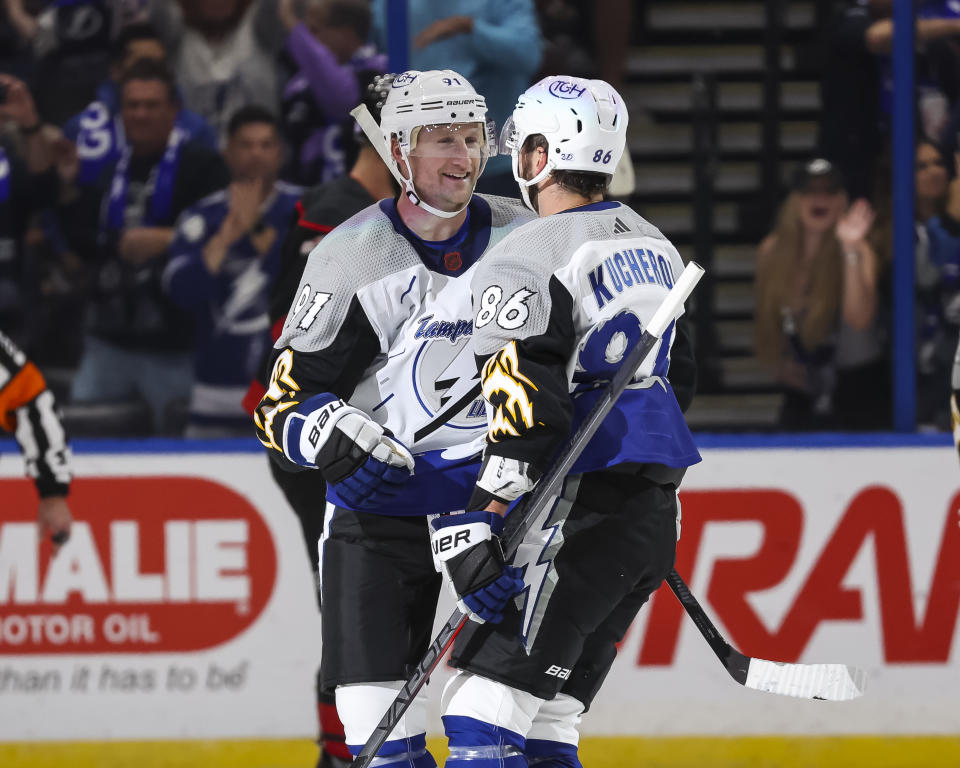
(673,40)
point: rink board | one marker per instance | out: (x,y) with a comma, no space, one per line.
(182,609)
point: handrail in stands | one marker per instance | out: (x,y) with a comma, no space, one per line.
(705,164)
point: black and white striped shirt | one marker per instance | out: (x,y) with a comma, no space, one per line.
(29,410)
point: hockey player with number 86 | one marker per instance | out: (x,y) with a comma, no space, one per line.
(559,303)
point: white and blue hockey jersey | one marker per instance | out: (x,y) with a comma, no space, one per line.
(558,305)
(382,319)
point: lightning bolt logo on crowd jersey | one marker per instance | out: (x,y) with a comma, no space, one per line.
(245,293)
(505,388)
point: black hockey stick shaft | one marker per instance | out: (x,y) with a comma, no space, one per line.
(448,413)
(735,662)
(818,682)
(534,504)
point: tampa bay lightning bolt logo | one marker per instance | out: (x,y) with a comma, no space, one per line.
(445,370)
(604,348)
(536,557)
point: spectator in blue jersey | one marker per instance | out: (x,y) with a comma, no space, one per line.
(97,130)
(138,342)
(223,260)
(496,45)
(331,61)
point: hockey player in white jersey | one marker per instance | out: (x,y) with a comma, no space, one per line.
(374,386)
(558,304)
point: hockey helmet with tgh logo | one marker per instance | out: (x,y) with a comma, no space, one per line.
(584,122)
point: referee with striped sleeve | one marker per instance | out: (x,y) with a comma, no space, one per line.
(28,410)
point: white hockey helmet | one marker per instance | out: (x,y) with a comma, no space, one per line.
(584,123)
(433,97)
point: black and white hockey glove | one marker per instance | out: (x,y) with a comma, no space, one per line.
(467,547)
(365,467)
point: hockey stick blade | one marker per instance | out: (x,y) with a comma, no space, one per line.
(822,682)
(520,520)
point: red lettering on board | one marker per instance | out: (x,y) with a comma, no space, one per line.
(876,514)
(153,565)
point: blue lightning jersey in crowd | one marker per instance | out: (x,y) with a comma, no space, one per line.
(232,325)
(559,303)
(382,319)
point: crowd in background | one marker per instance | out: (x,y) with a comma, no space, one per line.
(824,280)
(152,153)
(152,156)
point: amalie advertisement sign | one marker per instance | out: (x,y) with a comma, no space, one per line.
(154,565)
(846,554)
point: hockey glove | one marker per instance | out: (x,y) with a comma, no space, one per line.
(467,547)
(364,466)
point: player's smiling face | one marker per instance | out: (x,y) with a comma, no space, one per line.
(446,162)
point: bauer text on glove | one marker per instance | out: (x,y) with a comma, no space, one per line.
(466,546)
(365,467)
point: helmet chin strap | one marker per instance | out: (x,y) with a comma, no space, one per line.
(525,184)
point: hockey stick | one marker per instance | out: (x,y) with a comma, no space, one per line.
(824,682)
(538,499)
